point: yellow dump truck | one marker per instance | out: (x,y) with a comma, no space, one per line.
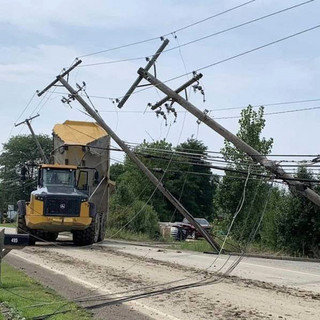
(73,193)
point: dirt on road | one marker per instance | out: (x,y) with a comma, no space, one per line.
(162,290)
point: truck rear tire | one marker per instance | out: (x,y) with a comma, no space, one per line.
(89,235)
(102,232)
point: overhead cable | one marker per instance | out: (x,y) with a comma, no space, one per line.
(233,57)
(202,38)
(169,33)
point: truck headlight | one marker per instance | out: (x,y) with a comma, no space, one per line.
(40,198)
(84,199)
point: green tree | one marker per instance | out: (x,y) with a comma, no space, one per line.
(233,183)
(132,214)
(186,177)
(270,228)
(196,185)
(299,222)
(17,152)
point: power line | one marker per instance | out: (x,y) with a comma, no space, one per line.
(228,59)
(270,113)
(169,33)
(26,107)
(200,157)
(226,117)
(251,50)
(202,38)
(258,105)
(227,169)
(269,104)
(134,144)
(233,57)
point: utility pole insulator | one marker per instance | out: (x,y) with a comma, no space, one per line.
(181,88)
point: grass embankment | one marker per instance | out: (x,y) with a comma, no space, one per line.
(202,245)
(113,233)
(25,298)
(8,225)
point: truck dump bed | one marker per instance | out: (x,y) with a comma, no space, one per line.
(86,145)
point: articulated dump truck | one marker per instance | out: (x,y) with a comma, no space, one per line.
(73,193)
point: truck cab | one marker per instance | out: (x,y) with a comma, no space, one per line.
(58,204)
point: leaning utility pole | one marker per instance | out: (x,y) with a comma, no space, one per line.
(241,145)
(157,183)
(27,122)
(140,165)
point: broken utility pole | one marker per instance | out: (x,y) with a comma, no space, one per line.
(147,67)
(27,122)
(241,145)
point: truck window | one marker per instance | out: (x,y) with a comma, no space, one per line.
(58,177)
(83,180)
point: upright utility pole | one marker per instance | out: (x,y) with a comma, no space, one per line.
(27,121)
(241,145)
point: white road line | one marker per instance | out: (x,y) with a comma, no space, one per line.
(281,269)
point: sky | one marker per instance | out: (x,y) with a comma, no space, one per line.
(40,38)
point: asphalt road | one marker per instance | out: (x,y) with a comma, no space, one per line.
(295,274)
(72,290)
(129,275)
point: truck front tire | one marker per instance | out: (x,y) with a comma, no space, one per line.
(89,235)
(21,225)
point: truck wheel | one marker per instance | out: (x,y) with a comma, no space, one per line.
(87,236)
(194,235)
(21,212)
(52,236)
(22,227)
(102,233)
(97,223)
(48,236)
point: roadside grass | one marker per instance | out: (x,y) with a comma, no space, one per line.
(196,245)
(114,233)
(8,225)
(201,245)
(28,299)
